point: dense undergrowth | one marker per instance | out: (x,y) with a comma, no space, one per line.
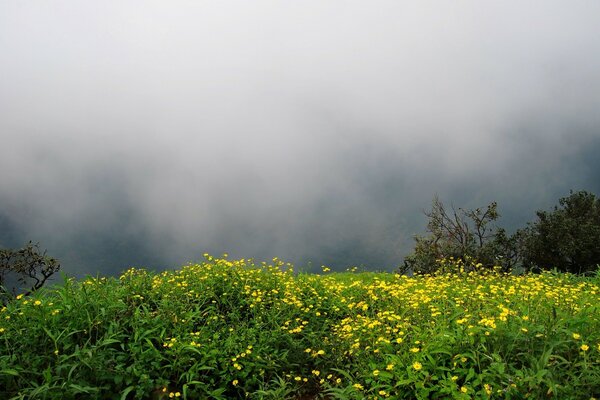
(232,329)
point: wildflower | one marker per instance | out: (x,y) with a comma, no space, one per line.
(464,389)
(316,372)
(414,350)
(358,386)
(382,393)
(235,382)
(298,378)
(37,303)
(417,365)
(585,347)
(376,372)
(576,336)
(488,389)
(389,367)
(524,330)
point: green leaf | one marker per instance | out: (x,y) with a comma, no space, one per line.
(126,392)
(12,372)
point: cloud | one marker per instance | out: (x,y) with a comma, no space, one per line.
(309,131)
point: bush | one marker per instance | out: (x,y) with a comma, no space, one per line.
(565,238)
(28,266)
(466,235)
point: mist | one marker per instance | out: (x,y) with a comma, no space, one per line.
(148,133)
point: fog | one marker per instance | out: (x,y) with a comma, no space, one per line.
(148,133)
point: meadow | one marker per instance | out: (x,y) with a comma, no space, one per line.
(236,329)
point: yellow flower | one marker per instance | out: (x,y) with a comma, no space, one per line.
(235,382)
(414,350)
(358,386)
(389,367)
(464,389)
(585,347)
(382,392)
(417,365)
(576,336)
(488,389)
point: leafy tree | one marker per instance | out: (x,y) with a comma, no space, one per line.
(27,266)
(566,238)
(466,235)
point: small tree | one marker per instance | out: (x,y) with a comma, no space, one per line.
(28,266)
(466,235)
(566,238)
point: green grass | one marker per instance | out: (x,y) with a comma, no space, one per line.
(231,329)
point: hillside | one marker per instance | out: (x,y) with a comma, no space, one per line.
(235,329)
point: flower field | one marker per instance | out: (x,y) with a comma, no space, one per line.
(227,329)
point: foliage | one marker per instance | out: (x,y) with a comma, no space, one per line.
(462,234)
(566,238)
(29,266)
(233,329)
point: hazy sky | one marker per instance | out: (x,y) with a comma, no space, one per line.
(147,133)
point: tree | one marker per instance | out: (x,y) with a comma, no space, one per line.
(566,238)
(27,266)
(466,235)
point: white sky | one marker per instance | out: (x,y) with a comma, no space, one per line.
(311,124)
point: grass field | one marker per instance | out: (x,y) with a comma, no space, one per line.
(231,329)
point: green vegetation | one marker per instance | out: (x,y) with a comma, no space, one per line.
(231,329)
(565,239)
(29,266)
